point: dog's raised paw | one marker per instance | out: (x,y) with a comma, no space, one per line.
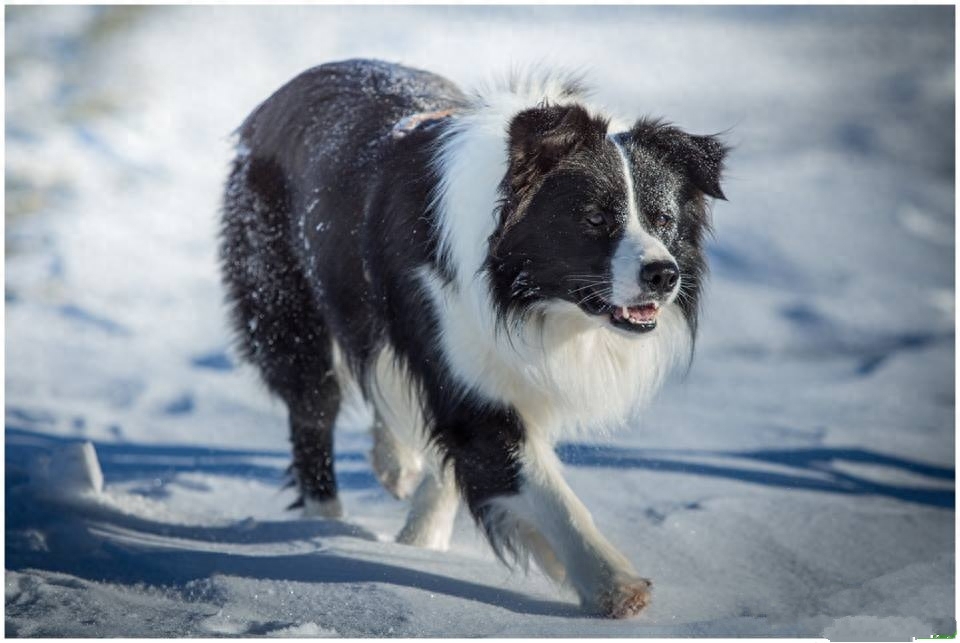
(400,482)
(397,468)
(626,599)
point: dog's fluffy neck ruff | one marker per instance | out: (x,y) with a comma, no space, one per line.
(561,370)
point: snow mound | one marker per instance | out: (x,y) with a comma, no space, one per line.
(72,470)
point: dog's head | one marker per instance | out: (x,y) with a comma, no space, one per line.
(610,223)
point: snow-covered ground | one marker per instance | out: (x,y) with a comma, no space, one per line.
(798,482)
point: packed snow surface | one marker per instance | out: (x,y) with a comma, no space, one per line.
(798,481)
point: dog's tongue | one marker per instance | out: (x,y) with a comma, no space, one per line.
(637,314)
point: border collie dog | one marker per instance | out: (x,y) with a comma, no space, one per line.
(491,272)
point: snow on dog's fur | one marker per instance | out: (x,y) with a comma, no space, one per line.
(492,271)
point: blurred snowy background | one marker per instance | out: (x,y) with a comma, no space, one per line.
(799,481)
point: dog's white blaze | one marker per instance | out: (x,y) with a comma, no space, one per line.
(637,246)
(633,210)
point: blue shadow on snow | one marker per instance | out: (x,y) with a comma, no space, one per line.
(814,469)
(809,469)
(123,461)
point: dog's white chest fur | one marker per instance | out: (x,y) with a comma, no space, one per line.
(560,370)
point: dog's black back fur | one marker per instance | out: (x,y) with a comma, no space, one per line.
(307,130)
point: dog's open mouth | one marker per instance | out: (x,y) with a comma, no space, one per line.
(641,318)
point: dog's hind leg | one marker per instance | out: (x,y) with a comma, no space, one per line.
(311,431)
(279,326)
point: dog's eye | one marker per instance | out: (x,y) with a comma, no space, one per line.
(662,219)
(596,219)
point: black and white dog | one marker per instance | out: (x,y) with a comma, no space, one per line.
(492,272)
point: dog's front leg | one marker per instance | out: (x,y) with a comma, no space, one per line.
(550,514)
(512,484)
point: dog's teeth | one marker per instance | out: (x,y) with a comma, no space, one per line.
(625,312)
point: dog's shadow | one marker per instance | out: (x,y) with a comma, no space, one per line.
(118,549)
(98,542)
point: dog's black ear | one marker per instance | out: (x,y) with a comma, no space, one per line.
(699,157)
(541,137)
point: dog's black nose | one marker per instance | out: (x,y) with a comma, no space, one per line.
(660,276)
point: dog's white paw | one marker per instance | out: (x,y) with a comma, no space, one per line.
(425,536)
(322,508)
(626,598)
(432,512)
